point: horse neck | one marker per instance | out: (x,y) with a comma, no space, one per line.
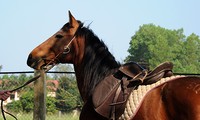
(87,79)
(97,63)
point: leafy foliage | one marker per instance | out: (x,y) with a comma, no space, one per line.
(25,104)
(153,45)
(50,103)
(26,101)
(14,106)
(68,97)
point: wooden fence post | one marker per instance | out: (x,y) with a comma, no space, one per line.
(40,96)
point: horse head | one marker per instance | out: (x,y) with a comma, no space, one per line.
(62,47)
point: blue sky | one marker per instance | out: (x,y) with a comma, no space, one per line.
(25,24)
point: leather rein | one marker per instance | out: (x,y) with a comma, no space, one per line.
(47,67)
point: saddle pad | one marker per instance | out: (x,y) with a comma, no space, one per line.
(138,95)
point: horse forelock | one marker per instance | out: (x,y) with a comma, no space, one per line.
(97,61)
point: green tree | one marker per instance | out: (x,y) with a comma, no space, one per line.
(191,62)
(5,77)
(14,106)
(63,68)
(67,95)
(26,100)
(154,45)
(13,81)
(51,105)
(25,104)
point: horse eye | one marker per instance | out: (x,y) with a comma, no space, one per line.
(59,36)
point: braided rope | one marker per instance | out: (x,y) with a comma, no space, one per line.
(137,96)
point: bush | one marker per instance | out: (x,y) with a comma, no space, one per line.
(51,107)
(26,104)
(14,106)
(26,100)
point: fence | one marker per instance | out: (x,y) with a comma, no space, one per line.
(39,112)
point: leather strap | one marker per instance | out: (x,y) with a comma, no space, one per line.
(124,84)
(112,116)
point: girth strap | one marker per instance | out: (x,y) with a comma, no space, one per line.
(124,84)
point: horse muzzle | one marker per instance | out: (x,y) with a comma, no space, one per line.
(35,63)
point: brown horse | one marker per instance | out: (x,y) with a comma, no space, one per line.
(177,99)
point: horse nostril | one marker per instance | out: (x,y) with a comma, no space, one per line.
(30,60)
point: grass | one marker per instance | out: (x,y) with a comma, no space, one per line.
(29,116)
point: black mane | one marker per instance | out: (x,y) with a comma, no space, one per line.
(97,63)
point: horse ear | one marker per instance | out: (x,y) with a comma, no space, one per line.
(72,21)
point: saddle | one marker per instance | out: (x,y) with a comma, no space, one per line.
(111,94)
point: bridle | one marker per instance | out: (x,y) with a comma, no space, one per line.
(66,48)
(65,51)
(46,68)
